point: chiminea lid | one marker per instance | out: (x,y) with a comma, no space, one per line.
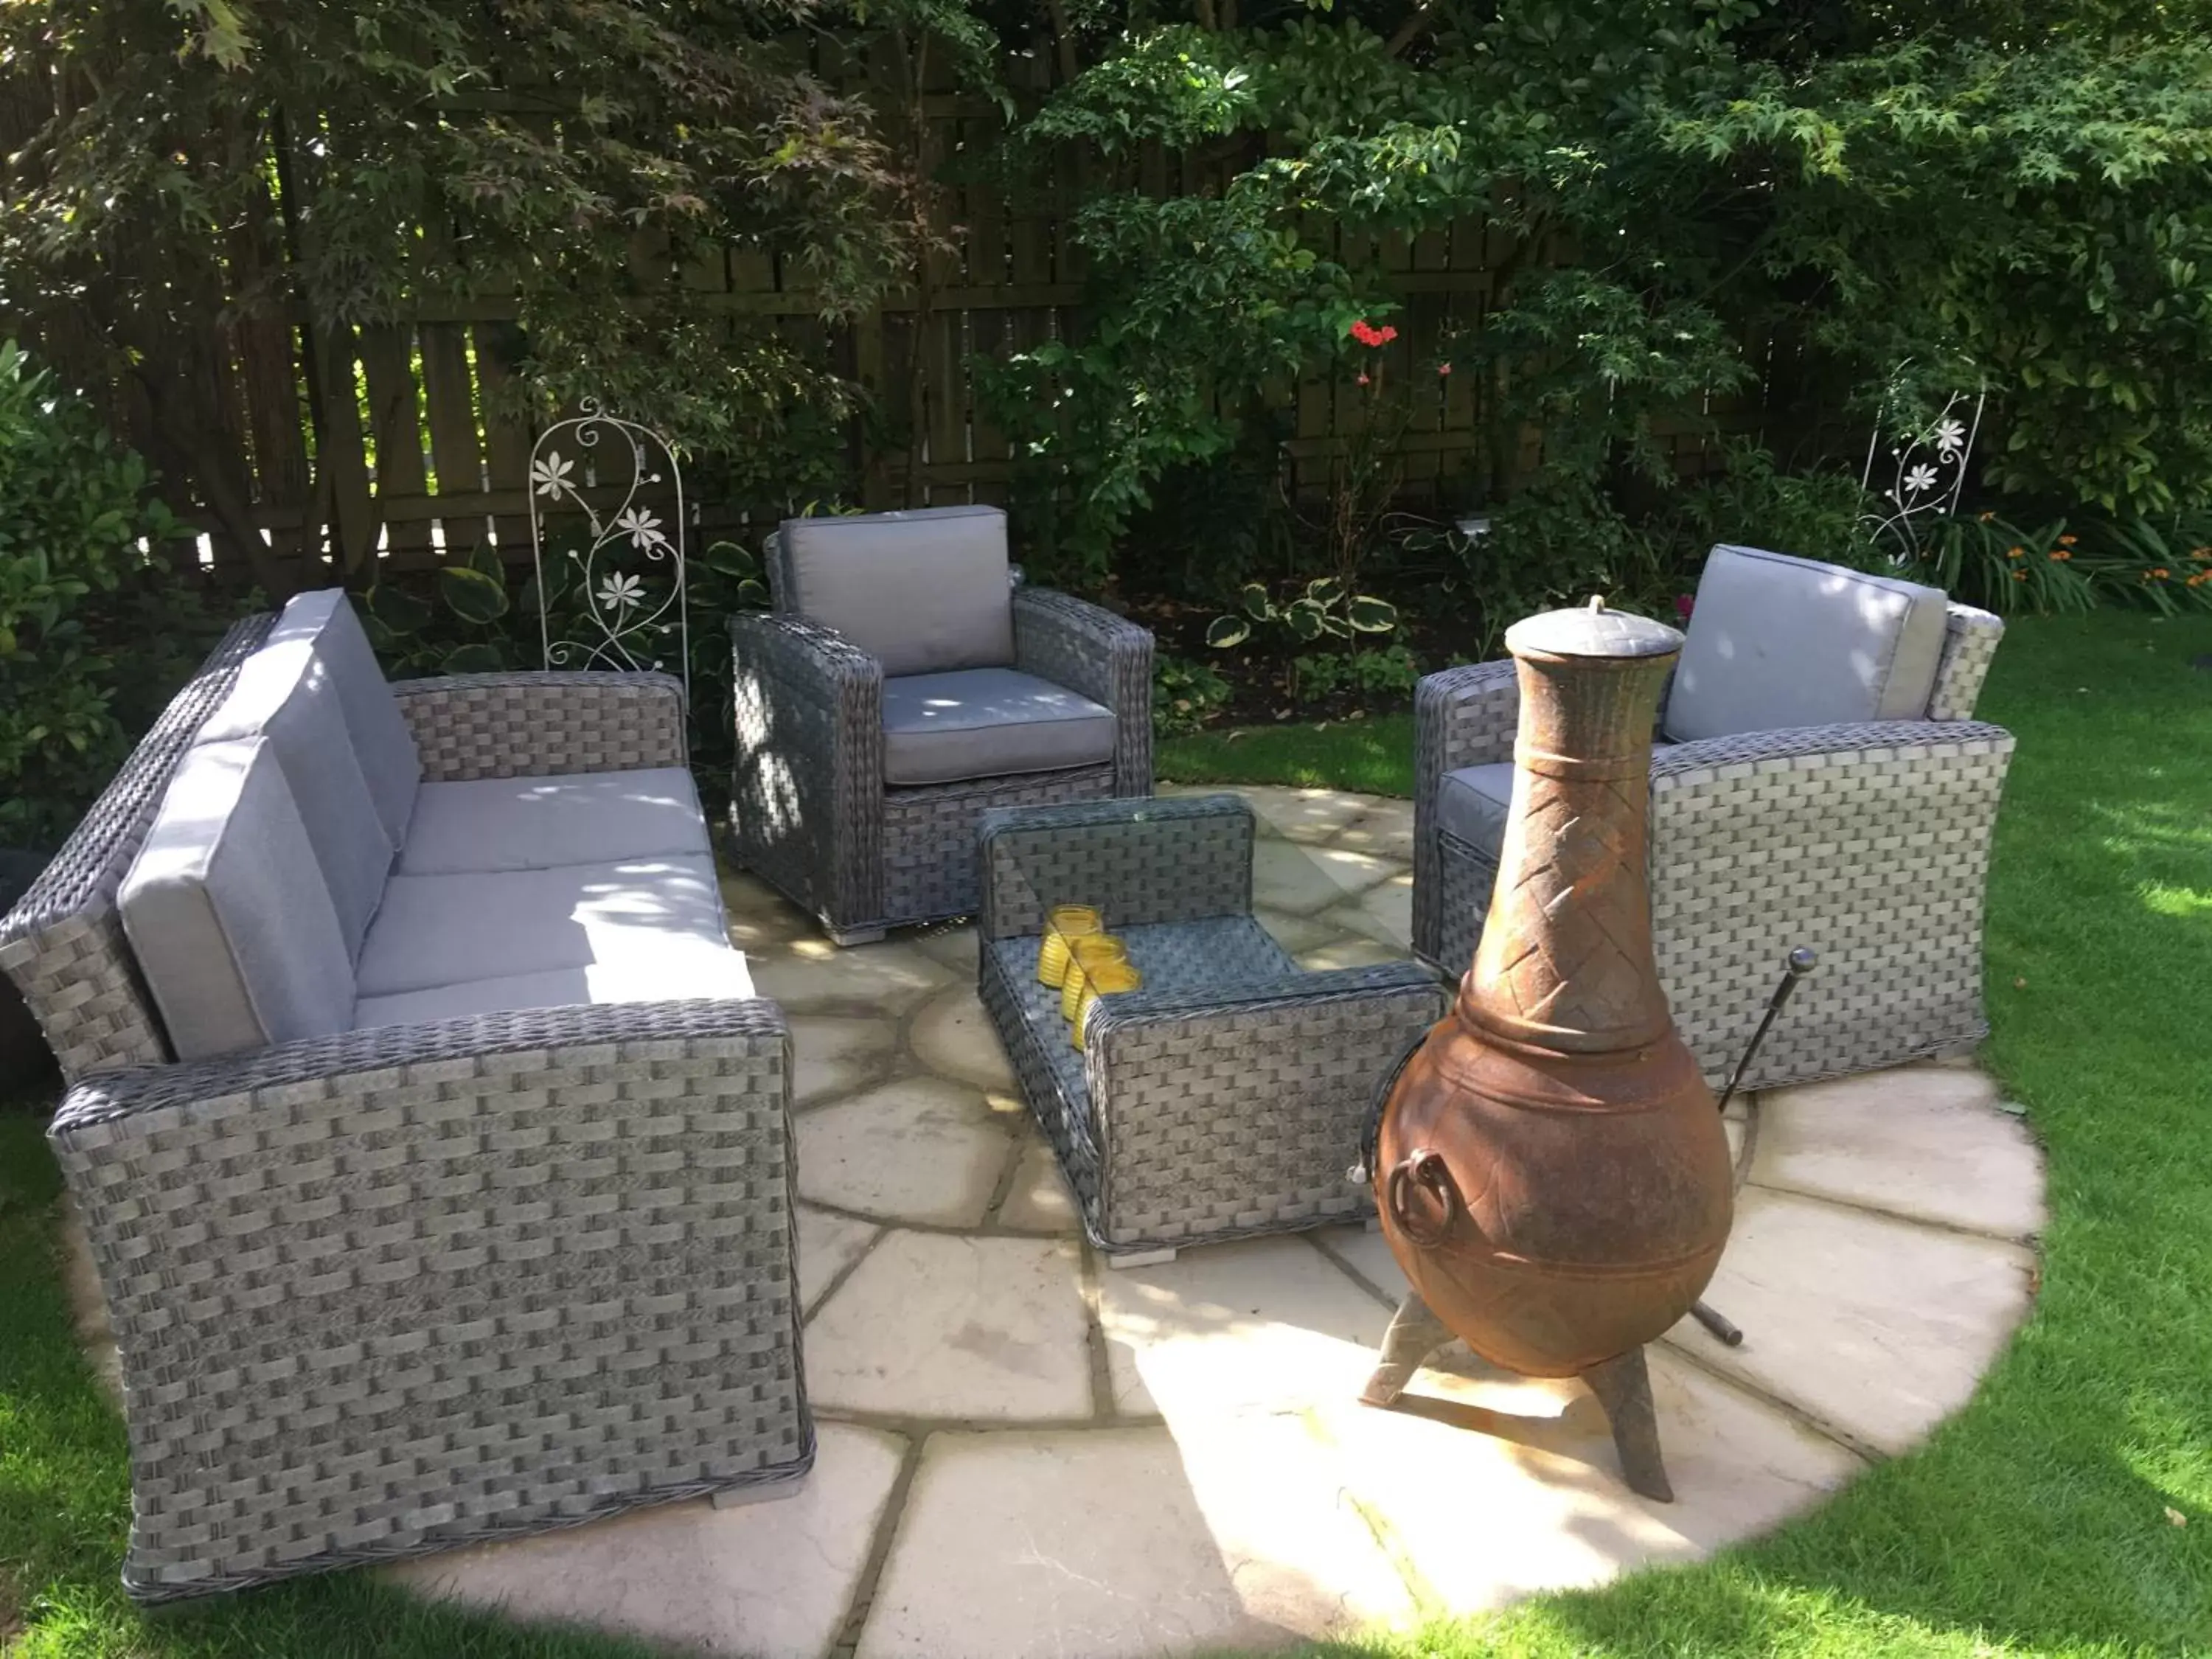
(1592,631)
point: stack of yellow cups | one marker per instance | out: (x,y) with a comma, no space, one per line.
(1064,924)
(1097,981)
(1085,955)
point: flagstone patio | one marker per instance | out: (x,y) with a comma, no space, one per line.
(1024,1452)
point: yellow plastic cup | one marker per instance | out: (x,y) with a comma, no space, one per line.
(1064,922)
(1085,953)
(1103,980)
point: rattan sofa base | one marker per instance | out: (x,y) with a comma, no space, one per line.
(397,1289)
(1226,1098)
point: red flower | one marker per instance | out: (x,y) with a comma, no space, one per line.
(1363,380)
(1388,335)
(1443,368)
(1368,335)
(1683,605)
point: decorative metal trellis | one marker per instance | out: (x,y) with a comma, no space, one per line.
(1929,471)
(631,571)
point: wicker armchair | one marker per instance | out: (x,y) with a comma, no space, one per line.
(395,1289)
(1865,838)
(844,801)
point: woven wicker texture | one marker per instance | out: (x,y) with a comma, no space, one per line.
(811,814)
(62,943)
(543,724)
(1869,844)
(1183,857)
(1226,1098)
(1095,653)
(411,1287)
(1970,642)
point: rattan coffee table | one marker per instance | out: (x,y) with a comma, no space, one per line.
(1226,1098)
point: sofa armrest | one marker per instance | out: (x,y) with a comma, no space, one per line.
(808,802)
(1242,1109)
(422,1284)
(544,724)
(1177,858)
(1970,642)
(1870,844)
(1105,657)
(1463,716)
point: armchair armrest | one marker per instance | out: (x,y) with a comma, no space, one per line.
(544,724)
(1463,716)
(415,1286)
(1970,641)
(1867,842)
(1241,1110)
(1105,657)
(808,805)
(1178,858)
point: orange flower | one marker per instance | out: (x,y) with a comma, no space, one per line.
(2157,575)
(2066,541)
(1986,517)
(2019,575)
(2016,553)
(2060,553)
(2200,552)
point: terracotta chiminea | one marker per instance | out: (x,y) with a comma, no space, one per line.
(1551,1171)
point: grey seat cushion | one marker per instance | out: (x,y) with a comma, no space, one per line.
(1471,804)
(690,969)
(227,913)
(381,741)
(922,593)
(285,692)
(1776,642)
(987,723)
(448,930)
(538,823)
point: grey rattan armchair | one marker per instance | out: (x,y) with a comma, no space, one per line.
(847,798)
(1867,839)
(395,1289)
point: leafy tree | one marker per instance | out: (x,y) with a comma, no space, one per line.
(323,166)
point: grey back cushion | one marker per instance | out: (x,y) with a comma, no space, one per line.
(286,693)
(381,741)
(923,592)
(1776,642)
(226,910)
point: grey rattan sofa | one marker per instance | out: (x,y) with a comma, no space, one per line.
(1818,780)
(904,683)
(489,1256)
(1226,1098)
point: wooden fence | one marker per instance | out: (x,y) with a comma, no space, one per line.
(422,462)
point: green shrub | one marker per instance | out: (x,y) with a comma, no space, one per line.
(94,635)
(1185,695)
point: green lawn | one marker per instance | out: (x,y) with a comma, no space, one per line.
(2035,1523)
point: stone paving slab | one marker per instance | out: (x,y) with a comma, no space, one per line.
(771,1580)
(1024,1453)
(960,1330)
(919,1149)
(1951,1157)
(1093,1542)
(1875,1329)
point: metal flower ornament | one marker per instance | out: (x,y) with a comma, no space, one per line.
(631,568)
(1929,471)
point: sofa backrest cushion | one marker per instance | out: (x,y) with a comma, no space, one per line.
(287,694)
(381,741)
(1776,642)
(923,592)
(227,913)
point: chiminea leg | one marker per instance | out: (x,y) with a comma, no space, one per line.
(1414,1335)
(1623,1387)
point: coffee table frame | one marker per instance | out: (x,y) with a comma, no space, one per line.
(1226,1098)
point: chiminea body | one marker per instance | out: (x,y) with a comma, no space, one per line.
(1551,1171)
